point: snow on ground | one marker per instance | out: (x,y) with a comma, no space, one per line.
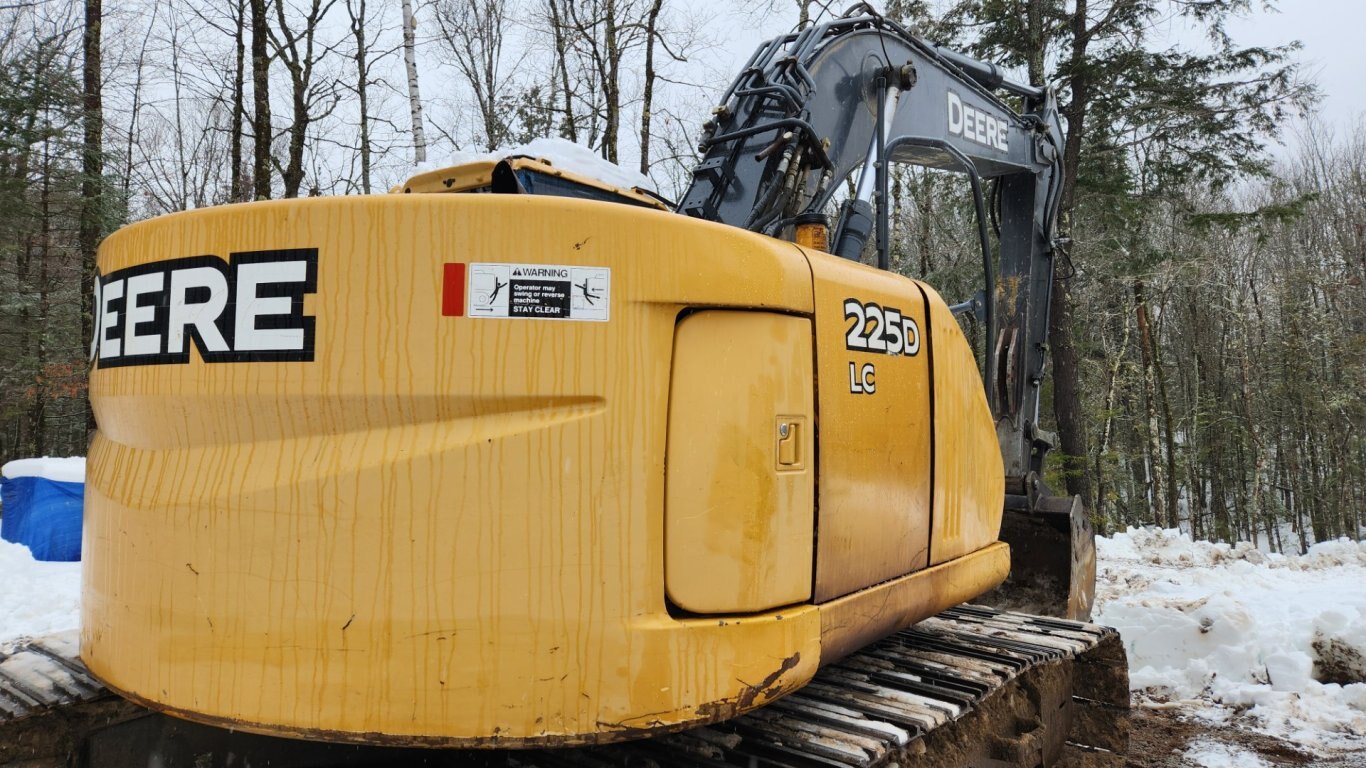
(562,154)
(36,597)
(1237,636)
(1212,754)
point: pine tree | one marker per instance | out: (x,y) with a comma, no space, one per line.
(1143,117)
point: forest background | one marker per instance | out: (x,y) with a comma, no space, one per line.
(1208,327)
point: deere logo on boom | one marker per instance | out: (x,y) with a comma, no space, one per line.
(249,308)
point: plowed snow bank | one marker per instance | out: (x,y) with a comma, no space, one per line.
(1235,633)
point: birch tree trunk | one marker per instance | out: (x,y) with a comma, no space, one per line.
(1111,387)
(414,98)
(1168,437)
(1156,467)
(38,404)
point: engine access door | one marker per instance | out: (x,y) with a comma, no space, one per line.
(873,389)
(740,477)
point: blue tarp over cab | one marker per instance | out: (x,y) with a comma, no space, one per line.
(44,515)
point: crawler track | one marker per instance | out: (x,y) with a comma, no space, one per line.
(971,686)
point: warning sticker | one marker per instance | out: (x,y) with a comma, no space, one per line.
(544,291)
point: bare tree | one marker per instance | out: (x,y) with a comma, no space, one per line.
(473,31)
(92,164)
(182,151)
(560,33)
(647,100)
(355,11)
(311,97)
(602,36)
(135,109)
(239,191)
(260,81)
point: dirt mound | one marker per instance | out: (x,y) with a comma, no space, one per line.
(1163,738)
(1337,661)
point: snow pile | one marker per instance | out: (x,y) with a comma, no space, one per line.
(68,470)
(1232,632)
(563,154)
(36,597)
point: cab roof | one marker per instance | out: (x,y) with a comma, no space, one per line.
(478,176)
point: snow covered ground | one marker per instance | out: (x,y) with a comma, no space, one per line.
(36,597)
(1225,635)
(1234,636)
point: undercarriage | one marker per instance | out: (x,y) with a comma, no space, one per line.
(971,686)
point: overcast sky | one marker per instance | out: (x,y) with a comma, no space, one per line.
(1334,51)
(1333,33)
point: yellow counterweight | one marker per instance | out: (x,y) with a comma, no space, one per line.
(513,470)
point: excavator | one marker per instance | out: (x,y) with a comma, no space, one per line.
(514,466)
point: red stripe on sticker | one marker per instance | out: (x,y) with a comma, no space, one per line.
(453,291)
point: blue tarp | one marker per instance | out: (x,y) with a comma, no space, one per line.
(44,515)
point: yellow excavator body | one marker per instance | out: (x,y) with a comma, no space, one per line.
(486,469)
